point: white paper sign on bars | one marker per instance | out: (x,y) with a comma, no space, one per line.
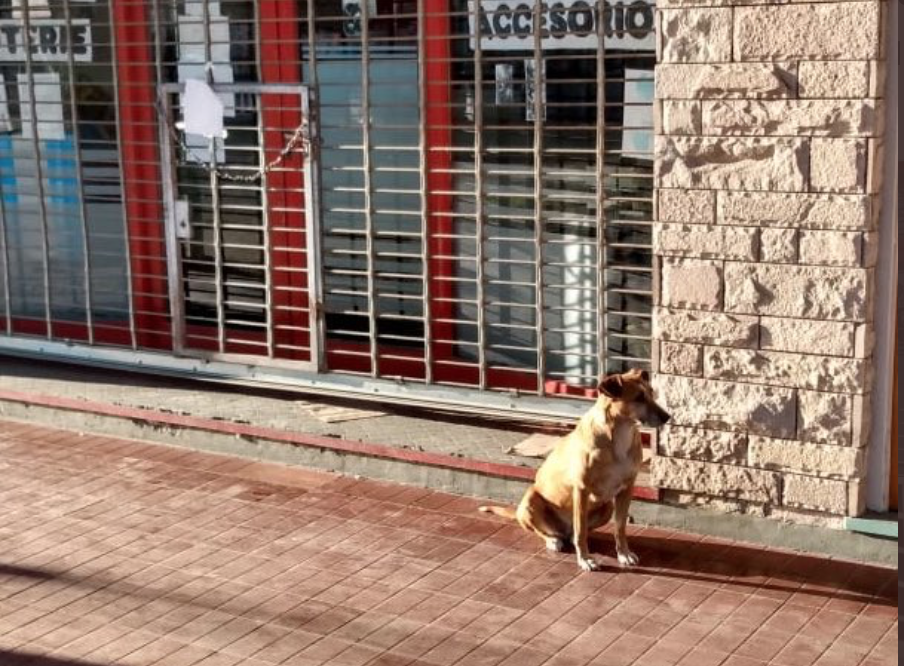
(508,25)
(505,83)
(202,110)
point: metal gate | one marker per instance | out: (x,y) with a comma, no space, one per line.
(242,231)
(473,220)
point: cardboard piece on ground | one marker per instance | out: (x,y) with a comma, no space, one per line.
(537,445)
(337,414)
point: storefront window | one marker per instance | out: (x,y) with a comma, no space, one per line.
(64,257)
(474,206)
(536,202)
(373,268)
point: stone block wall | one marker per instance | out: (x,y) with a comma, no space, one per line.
(768,150)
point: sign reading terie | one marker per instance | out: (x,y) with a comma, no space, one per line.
(49,40)
(508,25)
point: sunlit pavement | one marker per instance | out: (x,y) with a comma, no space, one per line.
(120,552)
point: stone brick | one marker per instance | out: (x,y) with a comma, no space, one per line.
(831,248)
(691,283)
(755,80)
(687,206)
(870,244)
(875,165)
(809,292)
(808,336)
(824,418)
(705,241)
(763,410)
(778,246)
(810,492)
(807,211)
(878,78)
(678,358)
(711,328)
(834,78)
(861,419)
(681,117)
(856,497)
(864,340)
(715,479)
(703,444)
(838,165)
(806,371)
(696,35)
(832,31)
(840,462)
(815,117)
(732,163)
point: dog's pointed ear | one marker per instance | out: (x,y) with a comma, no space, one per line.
(611,386)
(645,376)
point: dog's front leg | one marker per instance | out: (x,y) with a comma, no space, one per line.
(622,502)
(580,502)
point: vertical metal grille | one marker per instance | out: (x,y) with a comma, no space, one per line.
(64,266)
(241,269)
(515,253)
(475,208)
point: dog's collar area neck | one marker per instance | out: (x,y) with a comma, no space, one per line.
(617,417)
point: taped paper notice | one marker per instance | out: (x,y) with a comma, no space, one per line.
(505,83)
(202,110)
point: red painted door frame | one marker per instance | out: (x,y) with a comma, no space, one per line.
(141,173)
(143,192)
(280,48)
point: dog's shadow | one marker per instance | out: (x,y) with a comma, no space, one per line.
(779,573)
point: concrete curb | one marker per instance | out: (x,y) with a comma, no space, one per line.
(475,478)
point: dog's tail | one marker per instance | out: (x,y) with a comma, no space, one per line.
(503,511)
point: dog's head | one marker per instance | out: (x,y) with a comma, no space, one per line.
(632,396)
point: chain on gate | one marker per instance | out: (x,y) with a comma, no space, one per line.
(299,138)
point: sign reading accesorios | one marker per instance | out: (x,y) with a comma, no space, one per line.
(508,25)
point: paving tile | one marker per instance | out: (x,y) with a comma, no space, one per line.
(703,657)
(623,651)
(801,651)
(451,649)
(287,645)
(763,644)
(134,554)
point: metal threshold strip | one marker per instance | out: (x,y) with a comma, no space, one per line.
(408,393)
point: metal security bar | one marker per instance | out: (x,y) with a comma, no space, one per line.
(470,207)
(236,253)
(519,256)
(65,265)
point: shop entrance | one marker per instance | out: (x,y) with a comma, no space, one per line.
(240,227)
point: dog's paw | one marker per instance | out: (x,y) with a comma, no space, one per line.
(628,559)
(588,564)
(555,545)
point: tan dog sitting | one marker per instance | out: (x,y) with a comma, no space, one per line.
(591,471)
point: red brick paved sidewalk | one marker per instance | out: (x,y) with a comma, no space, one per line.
(117,552)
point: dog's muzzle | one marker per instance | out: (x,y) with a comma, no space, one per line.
(657,416)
